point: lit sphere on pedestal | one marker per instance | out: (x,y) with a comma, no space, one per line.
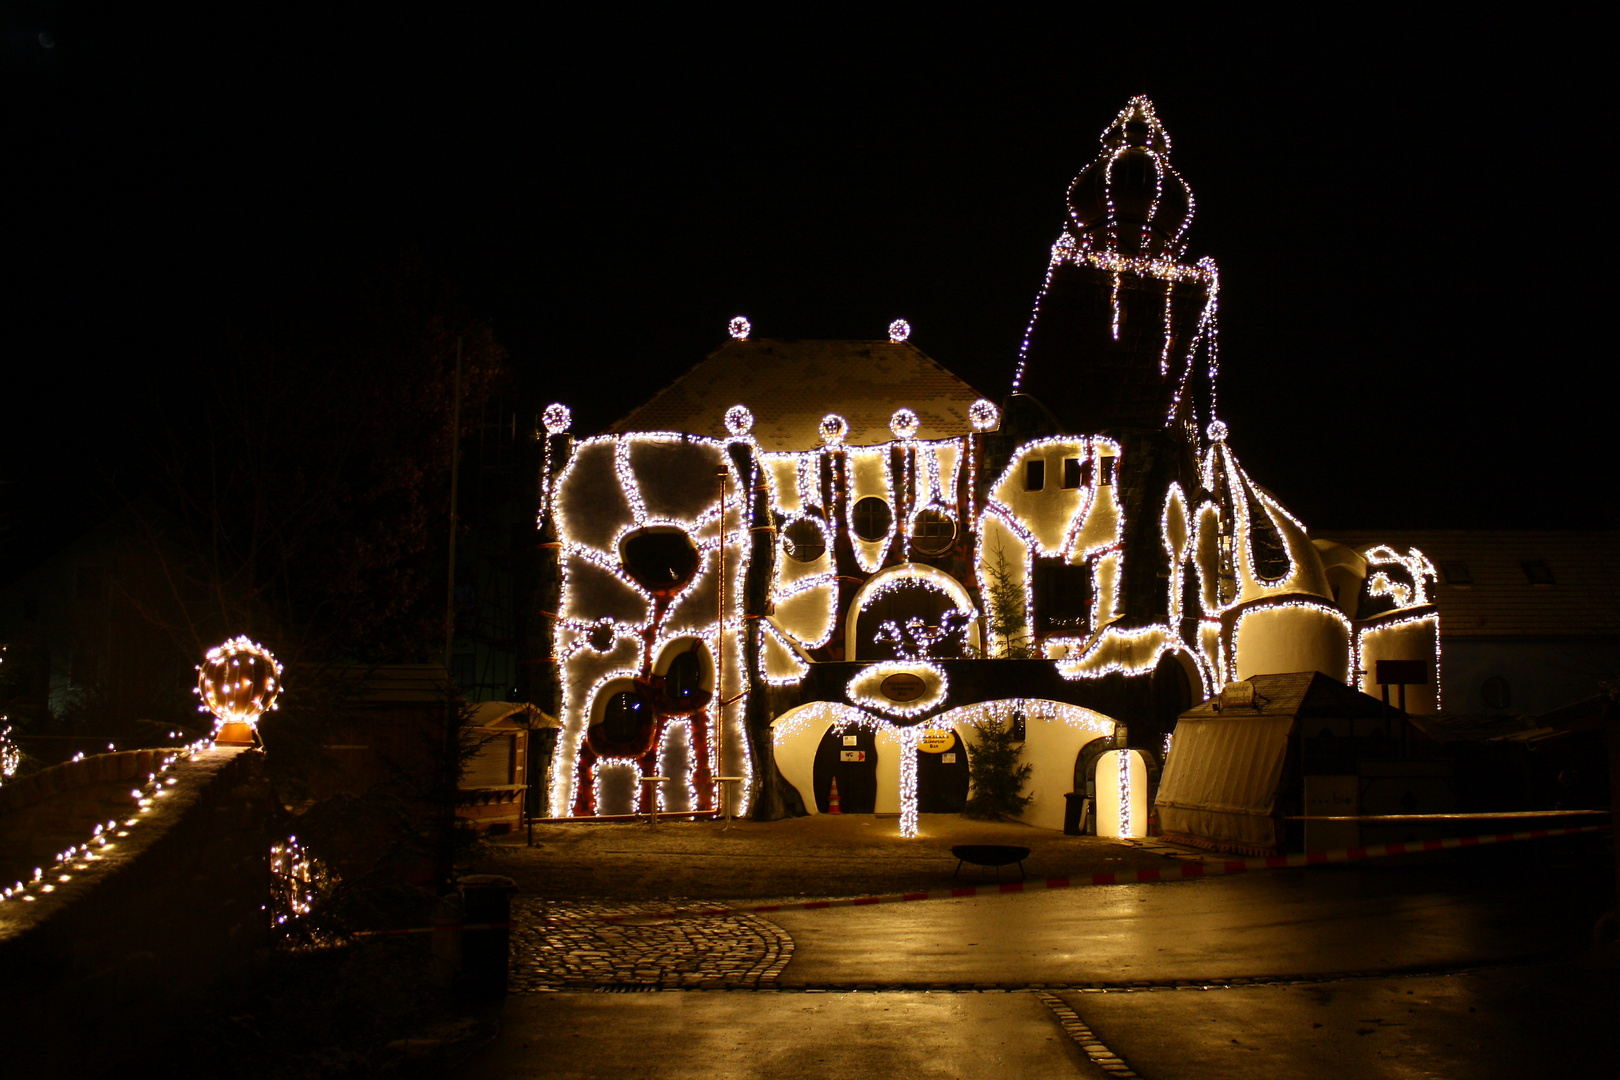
(1217,431)
(238,682)
(556,418)
(739,328)
(904,423)
(899,330)
(833,428)
(739,421)
(983,415)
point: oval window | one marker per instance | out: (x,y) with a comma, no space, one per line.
(871,518)
(932,532)
(803,541)
(659,559)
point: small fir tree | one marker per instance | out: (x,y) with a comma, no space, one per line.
(1009,623)
(997,774)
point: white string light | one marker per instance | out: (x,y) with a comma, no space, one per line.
(899,330)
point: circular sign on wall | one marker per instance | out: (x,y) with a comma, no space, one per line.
(902,686)
(936,742)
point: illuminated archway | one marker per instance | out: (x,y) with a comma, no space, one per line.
(898,576)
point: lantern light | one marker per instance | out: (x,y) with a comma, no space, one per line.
(238,682)
(739,421)
(983,415)
(557,417)
(739,328)
(899,330)
(833,429)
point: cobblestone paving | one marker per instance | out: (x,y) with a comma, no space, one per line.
(565,944)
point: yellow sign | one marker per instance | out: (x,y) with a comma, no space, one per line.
(936,742)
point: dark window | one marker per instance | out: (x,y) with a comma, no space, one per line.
(1495,693)
(1062,597)
(1537,572)
(621,719)
(659,559)
(1071,472)
(684,678)
(803,541)
(1034,475)
(1457,572)
(871,518)
(1107,471)
(932,532)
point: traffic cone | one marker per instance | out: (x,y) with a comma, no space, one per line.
(832,798)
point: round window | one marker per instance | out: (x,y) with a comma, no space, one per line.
(803,541)
(871,518)
(932,532)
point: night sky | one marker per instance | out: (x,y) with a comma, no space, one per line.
(1407,215)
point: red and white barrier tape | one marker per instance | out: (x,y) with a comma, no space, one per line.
(443,927)
(1181,872)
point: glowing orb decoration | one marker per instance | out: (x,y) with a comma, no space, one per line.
(899,330)
(833,429)
(1217,431)
(556,418)
(238,682)
(904,423)
(983,415)
(739,328)
(739,421)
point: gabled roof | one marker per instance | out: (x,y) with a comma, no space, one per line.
(789,385)
(1300,693)
(1500,599)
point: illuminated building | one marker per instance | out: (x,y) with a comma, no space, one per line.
(809,560)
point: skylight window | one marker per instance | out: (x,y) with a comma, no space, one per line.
(1456,572)
(1537,572)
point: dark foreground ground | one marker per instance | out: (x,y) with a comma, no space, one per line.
(1473,967)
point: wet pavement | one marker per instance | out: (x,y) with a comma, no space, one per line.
(1426,968)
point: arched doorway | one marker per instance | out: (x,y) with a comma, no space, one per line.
(847,753)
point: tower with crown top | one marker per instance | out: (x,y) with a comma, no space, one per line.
(1123,333)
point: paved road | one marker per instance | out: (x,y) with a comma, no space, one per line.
(1379,971)
(1322,920)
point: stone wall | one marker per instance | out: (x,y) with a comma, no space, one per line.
(112,961)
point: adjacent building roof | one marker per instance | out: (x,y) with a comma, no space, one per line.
(789,385)
(1298,693)
(1499,583)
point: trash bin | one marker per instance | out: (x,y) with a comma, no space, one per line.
(486,933)
(1075,811)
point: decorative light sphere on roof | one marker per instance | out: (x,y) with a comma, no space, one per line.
(904,423)
(557,417)
(739,328)
(739,421)
(833,428)
(899,330)
(983,415)
(239,681)
(1217,431)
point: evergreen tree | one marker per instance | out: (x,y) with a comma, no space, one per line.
(1009,622)
(997,774)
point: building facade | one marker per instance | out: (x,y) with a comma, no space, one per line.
(809,562)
